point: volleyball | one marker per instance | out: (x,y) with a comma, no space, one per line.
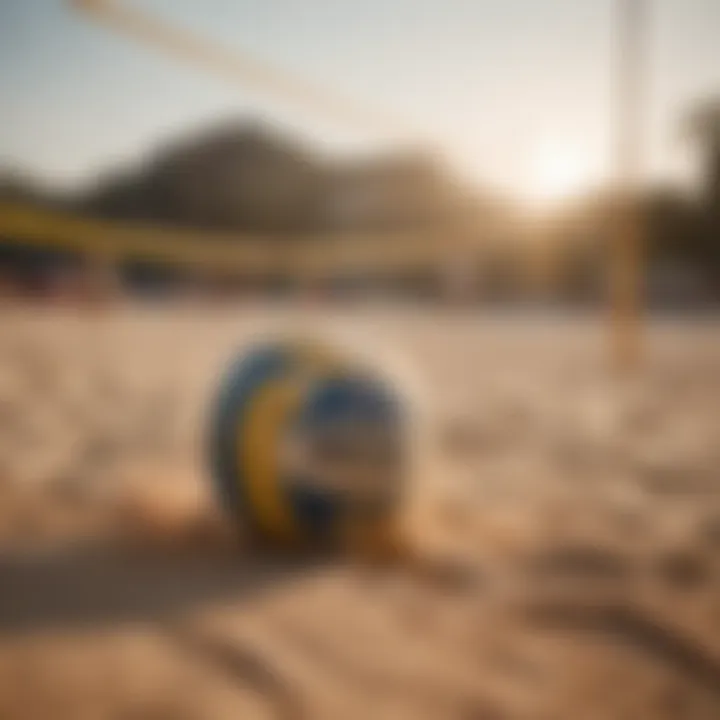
(306,440)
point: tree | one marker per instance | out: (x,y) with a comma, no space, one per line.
(703,127)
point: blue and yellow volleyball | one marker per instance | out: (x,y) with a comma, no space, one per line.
(306,439)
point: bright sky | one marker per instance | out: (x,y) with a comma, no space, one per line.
(517,92)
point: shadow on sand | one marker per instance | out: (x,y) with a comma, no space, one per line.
(86,587)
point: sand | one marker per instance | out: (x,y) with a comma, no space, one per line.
(573,519)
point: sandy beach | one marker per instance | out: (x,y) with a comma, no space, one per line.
(576,518)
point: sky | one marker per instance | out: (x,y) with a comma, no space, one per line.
(516,94)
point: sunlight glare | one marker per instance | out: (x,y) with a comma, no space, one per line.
(557,172)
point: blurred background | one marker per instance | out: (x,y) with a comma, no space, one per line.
(521,199)
(499,178)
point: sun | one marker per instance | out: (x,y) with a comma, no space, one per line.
(557,172)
